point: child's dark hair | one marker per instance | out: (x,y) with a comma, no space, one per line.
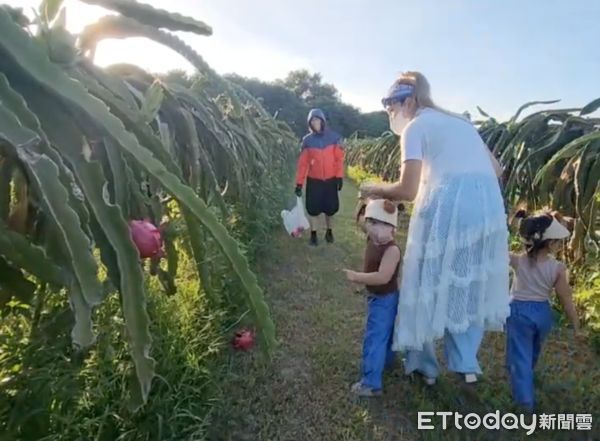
(531,229)
(361,211)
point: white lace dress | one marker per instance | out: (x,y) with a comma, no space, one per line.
(456,266)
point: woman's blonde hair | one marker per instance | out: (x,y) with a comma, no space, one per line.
(422,94)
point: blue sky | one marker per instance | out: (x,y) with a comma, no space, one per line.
(495,54)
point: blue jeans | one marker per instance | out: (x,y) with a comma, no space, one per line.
(526,329)
(379,332)
(460,351)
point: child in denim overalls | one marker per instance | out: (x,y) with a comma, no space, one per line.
(536,274)
(380,276)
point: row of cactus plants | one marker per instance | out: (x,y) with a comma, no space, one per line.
(101,169)
(551,158)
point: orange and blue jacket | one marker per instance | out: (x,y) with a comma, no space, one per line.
(322,157)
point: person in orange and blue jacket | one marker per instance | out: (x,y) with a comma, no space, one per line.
(321,165)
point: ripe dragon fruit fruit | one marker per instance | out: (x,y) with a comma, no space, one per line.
(297,232)
(243,340)
(147,238)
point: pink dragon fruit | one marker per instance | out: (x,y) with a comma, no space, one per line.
(297,232)
(147,238)
(243,340)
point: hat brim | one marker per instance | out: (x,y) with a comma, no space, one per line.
(376,212)
(556,231)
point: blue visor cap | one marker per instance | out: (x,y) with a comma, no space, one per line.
(397,94)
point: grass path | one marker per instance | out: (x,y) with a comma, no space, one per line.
(303,394)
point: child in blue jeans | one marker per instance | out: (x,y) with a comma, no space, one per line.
(536,274)
(380,276)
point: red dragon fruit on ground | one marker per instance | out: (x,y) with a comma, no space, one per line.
(243,340)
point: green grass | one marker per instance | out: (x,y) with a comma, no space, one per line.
(206,391)
(49,393)
(304,394)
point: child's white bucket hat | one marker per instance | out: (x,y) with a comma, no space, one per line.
(376,209)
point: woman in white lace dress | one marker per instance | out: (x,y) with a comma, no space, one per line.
(455,275)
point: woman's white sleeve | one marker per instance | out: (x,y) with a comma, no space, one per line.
(411,143)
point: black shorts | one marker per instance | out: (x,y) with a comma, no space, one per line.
(322,197)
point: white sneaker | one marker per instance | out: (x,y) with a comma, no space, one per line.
(470,378)
(364,391)
(429,381)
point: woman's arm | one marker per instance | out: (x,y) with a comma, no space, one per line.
(387,267)
(565,294)
(411,146)
(406,188)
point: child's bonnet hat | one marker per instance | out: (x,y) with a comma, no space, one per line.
(383,211)
(556,231)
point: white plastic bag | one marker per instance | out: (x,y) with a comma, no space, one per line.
(294,221)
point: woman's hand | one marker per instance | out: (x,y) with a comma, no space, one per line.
(405,189)
(352,276)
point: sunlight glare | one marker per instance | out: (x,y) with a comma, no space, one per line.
(240,53)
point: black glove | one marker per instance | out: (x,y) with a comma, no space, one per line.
(340,183)
(298,191)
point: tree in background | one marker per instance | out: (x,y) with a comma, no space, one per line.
(178,76)
(310,88)
(373,124)
(315,93)
(292,97)
(278,100)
